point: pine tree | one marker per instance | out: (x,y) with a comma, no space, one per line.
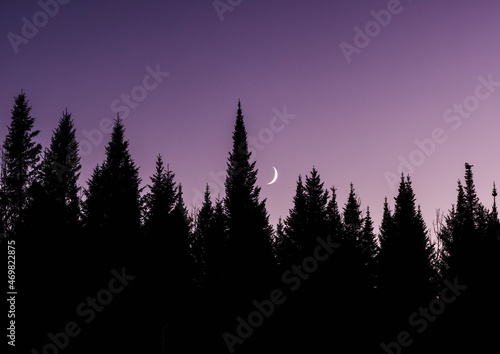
(20,158)
(203,228)
(414,242)
(295,226)
(285,248)
(113,201)
(351,252)
(249,233)
(334,220)
(493,227)
(472,201)
(308,219)
(368,246)
(93,206)
(215,247)
(316,209)
(52,227)
(464,233)
(353,223)
(470,254)
(453,237)
(158,203)
(406,257)
(60,182)
(112,210)
(54,210)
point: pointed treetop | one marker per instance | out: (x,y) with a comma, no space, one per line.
(494,211)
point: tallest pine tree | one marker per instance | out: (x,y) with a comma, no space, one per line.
(251,259)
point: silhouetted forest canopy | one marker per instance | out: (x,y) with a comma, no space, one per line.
(113,267)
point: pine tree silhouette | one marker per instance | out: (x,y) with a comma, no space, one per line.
(112,241)
(369,248)
(295,226)
(316,212)
(112,205)
(55,205)
(406,259)
(20,158)
(251,263)
(158,202)
(353,222)
(285,248)
(334,220)
(201,233)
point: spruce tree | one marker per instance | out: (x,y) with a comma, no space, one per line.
(202,230)
(454,252)
(406,257)
(60,182)
(316,209)
(353,223)
(179,239)
(470,255)
(334,220)
(54,210)
(285,248)
(368,246)
(158,203)
(387,225)
(463,234)
(295,225)
(93,205)
(112,208)
(353,278)
(308,219)
(20,158)
(52,227)
(215,247)
(414,242)
(249,233)
(356,286)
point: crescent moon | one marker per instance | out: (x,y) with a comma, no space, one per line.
(275,176)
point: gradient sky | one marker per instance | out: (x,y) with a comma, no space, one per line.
(353,120)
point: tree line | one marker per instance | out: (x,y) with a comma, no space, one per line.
(198,275)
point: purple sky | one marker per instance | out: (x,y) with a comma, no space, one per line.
(353,120)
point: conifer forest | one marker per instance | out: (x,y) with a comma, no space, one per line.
(112,267)
(250,176)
